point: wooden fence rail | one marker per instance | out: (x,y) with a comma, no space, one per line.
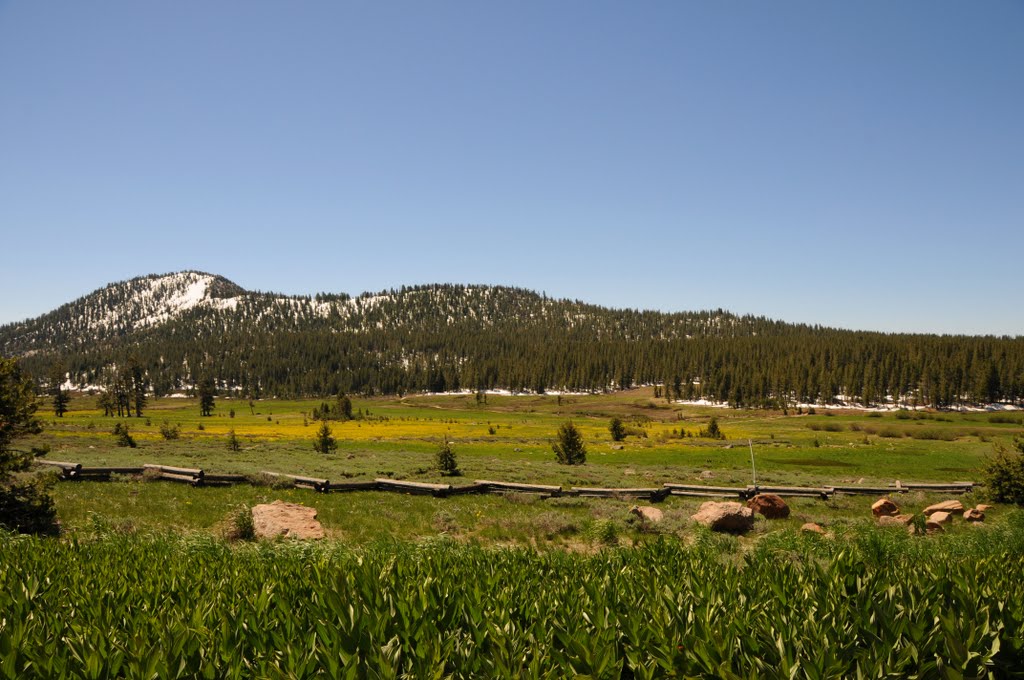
(198,477)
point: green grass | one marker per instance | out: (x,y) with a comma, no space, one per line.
(361,518)
(399,438)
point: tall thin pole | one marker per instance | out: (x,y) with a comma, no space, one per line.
(753,469)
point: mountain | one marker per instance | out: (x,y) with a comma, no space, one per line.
(180,327)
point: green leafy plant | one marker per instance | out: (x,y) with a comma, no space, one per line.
(242,526)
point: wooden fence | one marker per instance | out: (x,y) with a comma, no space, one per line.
(200,478)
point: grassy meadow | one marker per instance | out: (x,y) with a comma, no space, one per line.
(507,438)
(514,586)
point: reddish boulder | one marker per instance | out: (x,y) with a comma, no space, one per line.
(769,505)
(982,507)
(725,516)
(812,528)
(937,521)
(974,515)
(288,520)
(895,520)
(955,507)
(884,507)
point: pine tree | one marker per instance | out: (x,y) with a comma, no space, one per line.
(18,406)
(617,429)
(206,396)
(137,386)
(446,461)
(233,442)
(569,448)
(344,407)
(324,442)
(25,504)
(712,431)
(61,397)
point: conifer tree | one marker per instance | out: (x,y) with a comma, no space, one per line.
(324,442)
(617,429)
(446,461)
(61,397)
(206,396)
(569,448)
(25,504)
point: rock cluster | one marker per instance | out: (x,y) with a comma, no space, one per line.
(939,515)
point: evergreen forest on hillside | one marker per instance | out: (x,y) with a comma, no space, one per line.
(442,338)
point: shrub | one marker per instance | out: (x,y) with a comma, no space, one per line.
(123,437)
(569,449)
(242,527)
(234,444)
(942,435)
(604,531)
(1004,473)
(169,431)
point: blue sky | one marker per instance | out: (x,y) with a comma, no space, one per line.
(851,164)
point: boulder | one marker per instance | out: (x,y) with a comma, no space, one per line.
(895,520)
(727,516)
(647,513)
(884,507)
(288,520)
(945,506)
(769,505)
(707,474)
(812,528)
(974,515)
(937,522)
(982,507)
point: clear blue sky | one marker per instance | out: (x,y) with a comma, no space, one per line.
(856,164)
